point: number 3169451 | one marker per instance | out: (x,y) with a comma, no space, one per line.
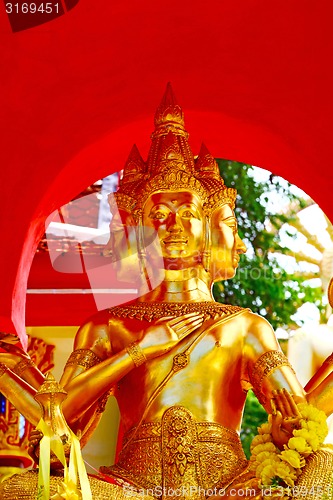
(32,8)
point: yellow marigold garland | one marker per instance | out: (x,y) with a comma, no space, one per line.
(274,467)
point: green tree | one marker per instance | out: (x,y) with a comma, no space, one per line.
(261,283)
(254,416)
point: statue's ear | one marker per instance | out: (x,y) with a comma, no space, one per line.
(330,292)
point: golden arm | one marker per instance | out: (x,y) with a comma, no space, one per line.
(20,363)
(86,383)
(19,380)
(20,394)
(267,368)
(272,378)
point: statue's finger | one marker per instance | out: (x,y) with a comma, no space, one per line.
(288,403)
(279,400)
(276,420)
(190,329)
(293,406)
(273,405)
(283,403)
(186,318)
(184,326)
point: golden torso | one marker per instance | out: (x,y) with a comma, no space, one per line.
(202,386)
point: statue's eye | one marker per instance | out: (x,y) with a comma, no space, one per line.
(188,214)
(230,222)
(159,215)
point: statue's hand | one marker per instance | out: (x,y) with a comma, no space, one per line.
(33,450)
(11,354)
(285,417)
(33,447)
(165,334)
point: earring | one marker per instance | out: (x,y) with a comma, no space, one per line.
(207,250)
(141,248)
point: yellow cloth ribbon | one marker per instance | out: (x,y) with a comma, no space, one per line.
(68,490)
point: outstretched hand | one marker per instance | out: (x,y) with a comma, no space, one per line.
(166,334)
(34,450)
(285,417)
(33,447)
(10,350)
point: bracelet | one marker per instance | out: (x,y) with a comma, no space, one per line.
(263,368)
(22,365)
(3,369)
(136,353)
(83,357)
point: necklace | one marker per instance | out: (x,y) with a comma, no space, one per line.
(150,311)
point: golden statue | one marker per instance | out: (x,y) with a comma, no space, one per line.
(178,363)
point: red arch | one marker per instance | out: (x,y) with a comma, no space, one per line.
(257,146)
(255,82)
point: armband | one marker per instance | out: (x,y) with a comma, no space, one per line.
(83,357)
(23,365)
(263,367)
(136,353)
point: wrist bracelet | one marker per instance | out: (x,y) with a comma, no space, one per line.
(83,357)
(136,353)
(22,365)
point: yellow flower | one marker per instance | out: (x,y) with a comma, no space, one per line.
(310,437)
(299,444)
(274,467)
(309,412)
(320,429)
(264,447)
(267,474)
(293,458)
(286,473)
(262,466)
(67,490)
(260,439)
(263,455)
(265,428)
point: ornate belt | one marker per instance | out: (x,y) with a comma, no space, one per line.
(179,453)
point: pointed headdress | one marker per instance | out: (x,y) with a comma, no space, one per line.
(171,166)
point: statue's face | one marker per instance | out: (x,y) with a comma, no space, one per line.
(226,245)
(177,218)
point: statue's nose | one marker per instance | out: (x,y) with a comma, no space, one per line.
(240,245)
(175,224)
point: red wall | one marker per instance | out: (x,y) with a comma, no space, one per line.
(254,79)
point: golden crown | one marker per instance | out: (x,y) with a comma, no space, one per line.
(171,166)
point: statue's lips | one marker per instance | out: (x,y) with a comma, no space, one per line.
(172,241)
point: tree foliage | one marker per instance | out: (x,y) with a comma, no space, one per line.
(254,416)
(261,283)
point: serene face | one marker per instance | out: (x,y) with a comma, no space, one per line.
(226,245)
(177,220)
